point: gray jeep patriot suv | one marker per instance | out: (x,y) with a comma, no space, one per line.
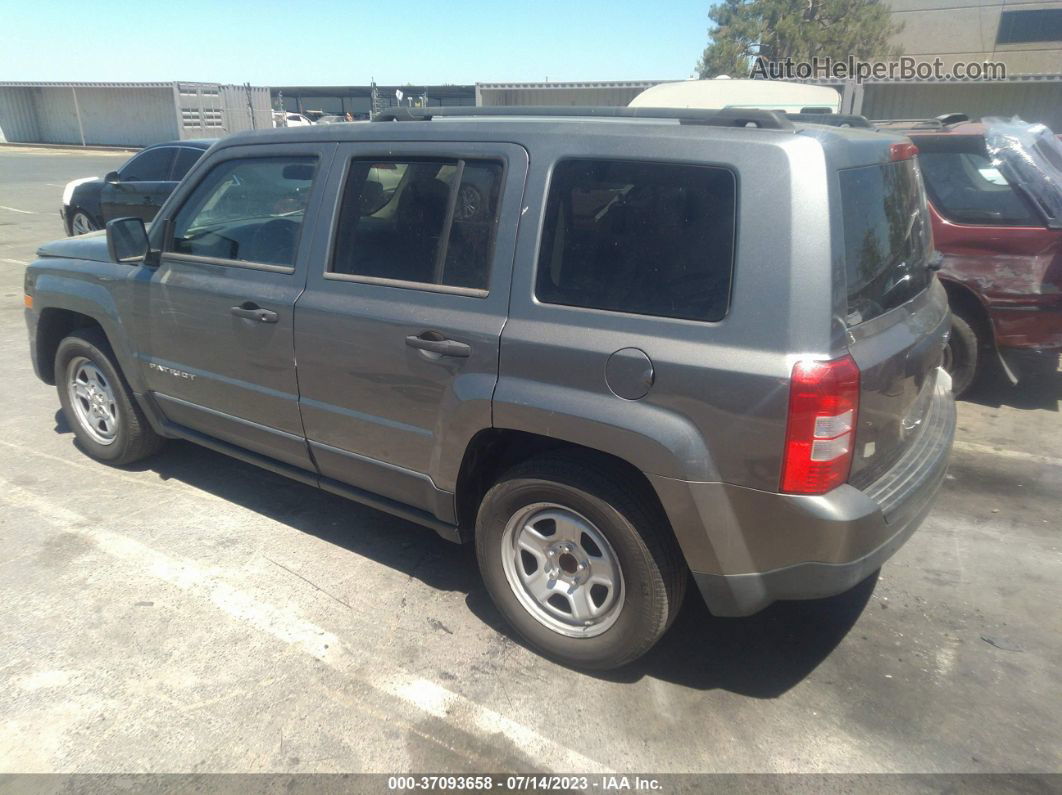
(612,352)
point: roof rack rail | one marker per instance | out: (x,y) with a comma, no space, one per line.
(831,119)
(727,117)
(936,123)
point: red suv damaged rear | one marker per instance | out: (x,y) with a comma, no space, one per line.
(995,193)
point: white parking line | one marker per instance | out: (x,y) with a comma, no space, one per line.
(13,261)
(1016,455)
(285,623)
(442,703)
(16,210)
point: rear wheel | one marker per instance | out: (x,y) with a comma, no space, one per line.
(580,561)
(82,223)
(962,353)
(98,403)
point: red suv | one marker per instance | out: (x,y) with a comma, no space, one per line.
(995,192)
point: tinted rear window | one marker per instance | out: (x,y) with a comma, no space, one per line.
(886,237)
(419,221)
(186,158)
(645,238)
(967,188)
(151,165)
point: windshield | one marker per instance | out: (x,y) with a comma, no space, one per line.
(887,238)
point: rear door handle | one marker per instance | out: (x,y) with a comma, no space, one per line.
(252,311)
(434,342)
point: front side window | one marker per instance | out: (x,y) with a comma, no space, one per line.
(429,221)
(639,237)
(150,166)
(967,189)
(248,210)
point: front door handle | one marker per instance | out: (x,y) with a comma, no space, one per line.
(252,311)
(434,342)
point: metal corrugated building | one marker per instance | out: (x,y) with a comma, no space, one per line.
(1034,98)
(600,92)
(362,101)
(127,114)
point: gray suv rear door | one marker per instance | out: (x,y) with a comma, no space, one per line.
(398,330)
(214,319)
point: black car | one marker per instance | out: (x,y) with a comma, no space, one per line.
(136,189)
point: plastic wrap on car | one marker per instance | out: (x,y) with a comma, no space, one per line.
(1031,156)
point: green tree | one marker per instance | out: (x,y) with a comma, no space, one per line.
(743,30)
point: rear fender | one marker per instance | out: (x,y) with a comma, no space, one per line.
(649,437)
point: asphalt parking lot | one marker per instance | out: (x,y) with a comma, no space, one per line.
(196,614)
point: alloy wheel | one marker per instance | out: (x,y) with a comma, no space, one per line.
(92,397)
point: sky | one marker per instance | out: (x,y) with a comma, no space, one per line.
(331,42)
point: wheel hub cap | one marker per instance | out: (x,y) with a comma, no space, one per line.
(562,570)
(92,399)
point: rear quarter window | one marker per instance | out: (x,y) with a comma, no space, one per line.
(887,238)
(639,237)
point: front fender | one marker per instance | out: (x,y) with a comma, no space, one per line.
(91,295)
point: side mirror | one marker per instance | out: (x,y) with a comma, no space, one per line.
(127,239)
(111,178)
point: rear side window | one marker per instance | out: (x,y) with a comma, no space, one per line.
(886,237)
(186,158)
(639,237)
(248,210)
(150,166)
(967,189)
(429,222)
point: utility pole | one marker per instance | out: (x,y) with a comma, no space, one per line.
(250,106)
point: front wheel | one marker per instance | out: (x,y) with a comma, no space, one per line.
(82,223)
(581,563)
(98,403)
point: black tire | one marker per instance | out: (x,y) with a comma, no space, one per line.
(963,354)
(632,522)
(134,437)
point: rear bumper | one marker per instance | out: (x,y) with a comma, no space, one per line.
(749,548)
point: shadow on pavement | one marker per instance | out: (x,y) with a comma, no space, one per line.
(396,543)
(993,389)
(761,656)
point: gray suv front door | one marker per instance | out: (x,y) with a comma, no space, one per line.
(398,330)
(215,318)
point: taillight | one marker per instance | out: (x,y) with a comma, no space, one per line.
(820,435)
(904,151)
